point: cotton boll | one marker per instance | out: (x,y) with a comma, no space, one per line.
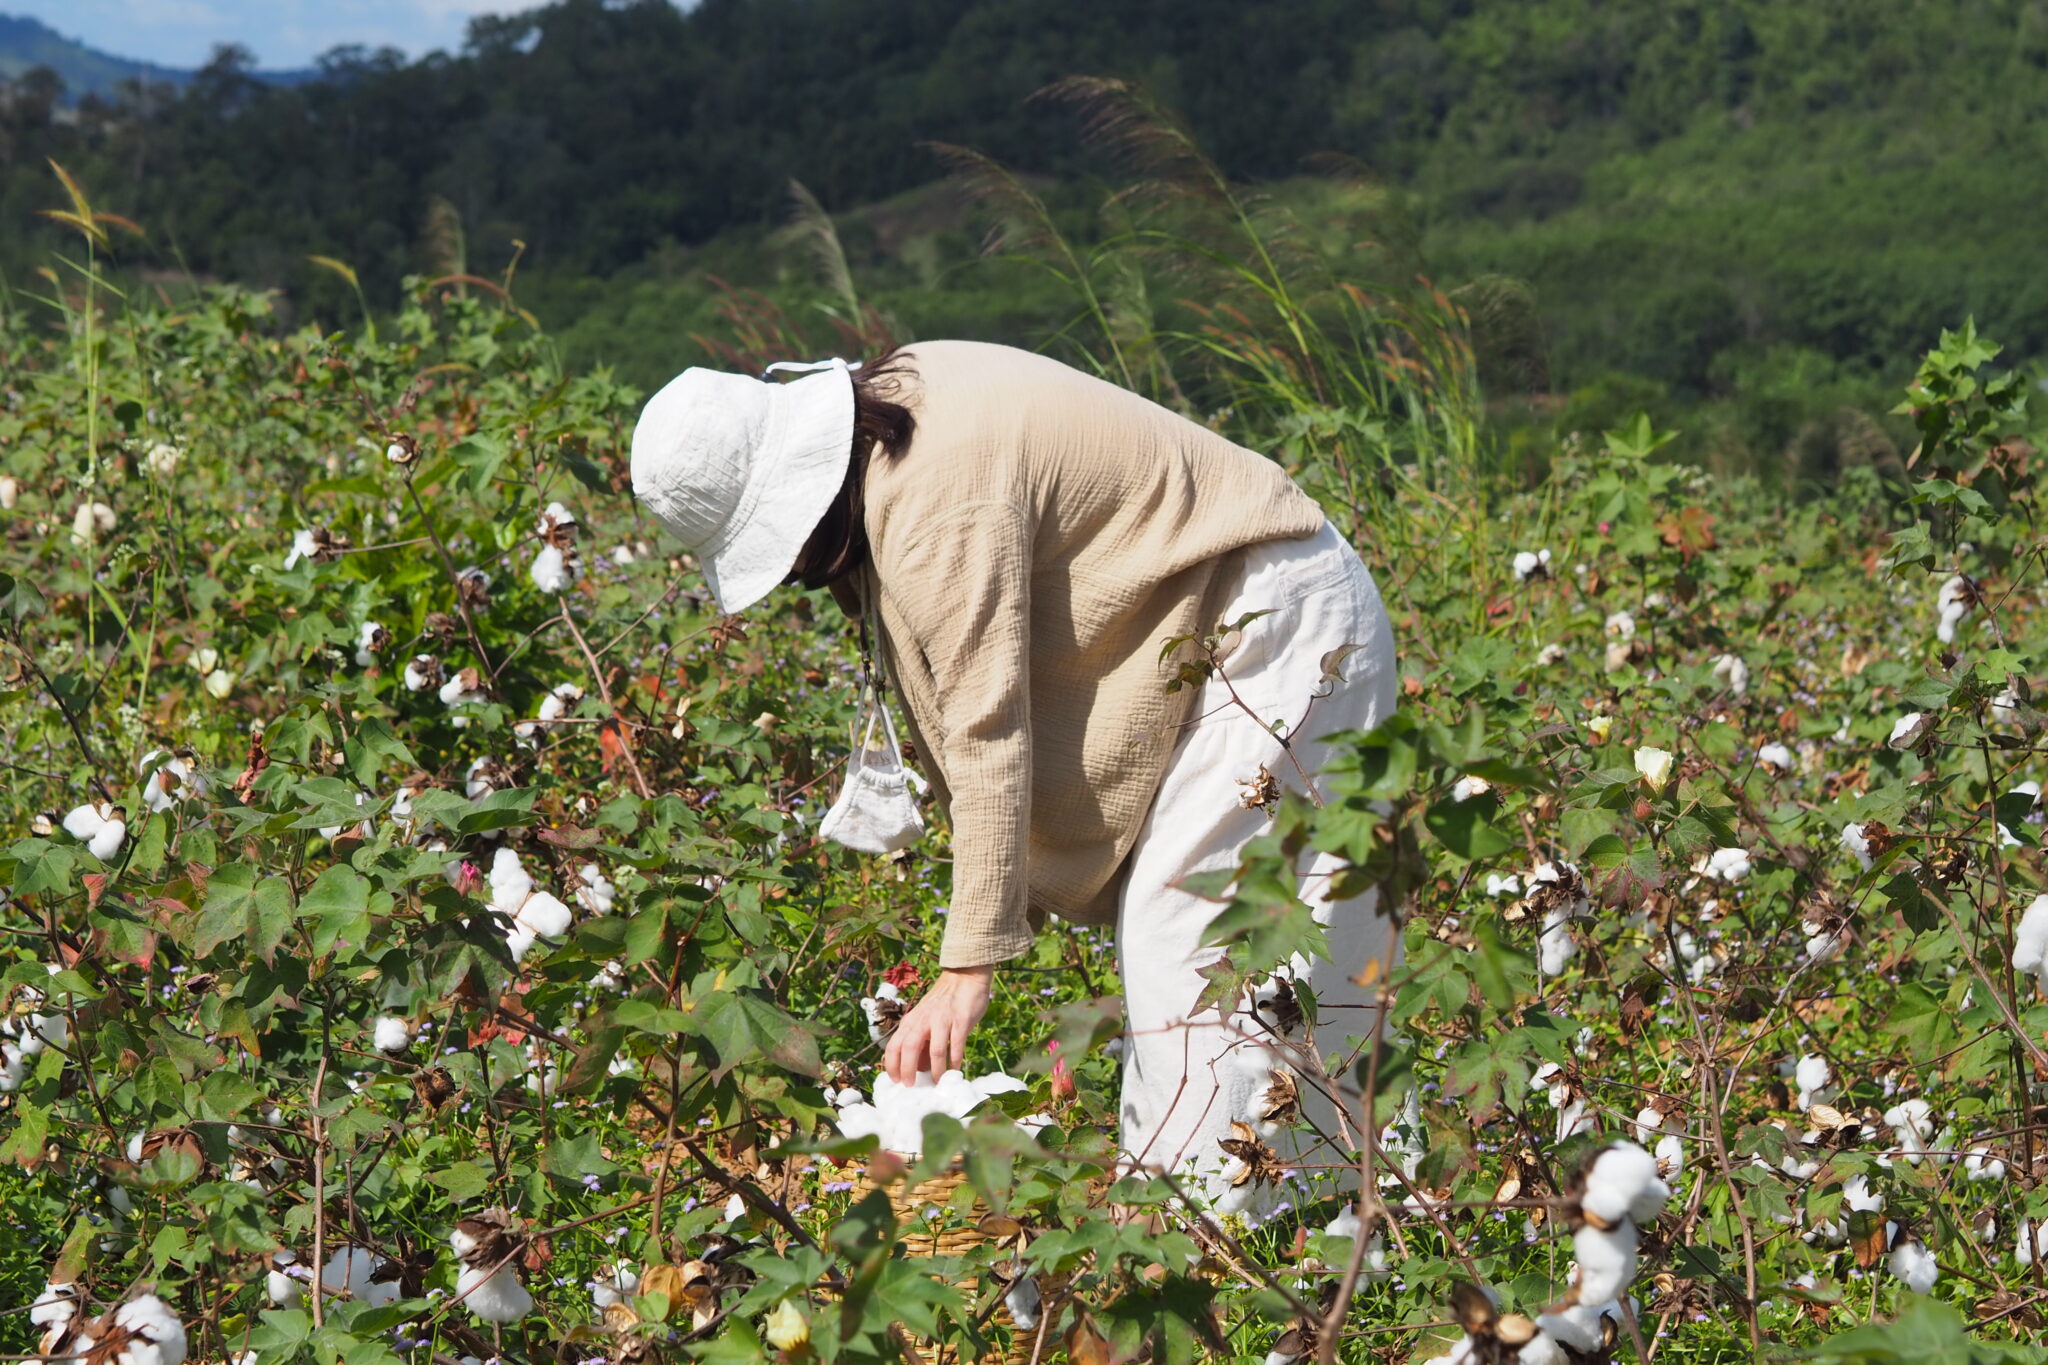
(1979,1165)
(1580,1326)
(1024,1302)
(617,1287)
(1541,1349)
(1621,625)
(1555,947)
(2030,942)
(1952,604)
(1497,885)
(1914,1265)
(218,684)
(369,640)
(1729,865)
(391,1035)
(1858,1197)
(1822,943)
(10,492)
(92,523)
(735,1209)
(1910,1127)
(1776,756)
(168,779)
(350,1271)
(101,826)
(541,916)
(1574,1117)
(2032,1243)
(56,1305)
(1732,673)
(1813,1075)
(1670,1156)
(552,571)
(1550,655)
(1623,1183)
(1531,564)
(493,1295)
(280,1285)
(594,891)
(1908,730)
(1648,1123)
(159,1336)
(1607,1260)
(1853,840)
(1468,787)
(304,546)
(421,671)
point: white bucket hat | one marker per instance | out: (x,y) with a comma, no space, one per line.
(742,469)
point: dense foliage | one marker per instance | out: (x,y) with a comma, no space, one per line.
(1751,207)
(406,876)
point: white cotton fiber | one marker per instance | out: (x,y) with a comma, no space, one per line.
(1914,1264)
(494,1295)
(1624,1184)
(1607,1261)
(2030,942)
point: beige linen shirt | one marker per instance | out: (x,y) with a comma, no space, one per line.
(1042,536)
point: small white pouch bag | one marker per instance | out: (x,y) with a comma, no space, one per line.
(876,811)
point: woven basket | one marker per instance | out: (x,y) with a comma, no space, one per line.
(945,1235)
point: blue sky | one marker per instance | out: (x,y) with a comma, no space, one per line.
(282,33)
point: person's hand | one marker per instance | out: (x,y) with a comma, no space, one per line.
(933,1036)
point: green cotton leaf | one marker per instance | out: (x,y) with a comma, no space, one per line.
(1922,1021)
(644,1016)
(239,902)
(463,1180)
(41,866)
(19,599)
(1464,827)
(370,748)
(228,1094)
(572,1158)
(326,801)
(498,810)
(645,931)
(479,458)
(741,1026)
(1928,694)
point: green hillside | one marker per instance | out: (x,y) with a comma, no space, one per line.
(1748,209)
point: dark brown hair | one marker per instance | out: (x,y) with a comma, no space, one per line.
(839,545)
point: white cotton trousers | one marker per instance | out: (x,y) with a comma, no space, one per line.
(1188,1075)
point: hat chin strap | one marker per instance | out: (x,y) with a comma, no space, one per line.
(807,366)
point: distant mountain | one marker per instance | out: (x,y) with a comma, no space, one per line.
(29,43)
